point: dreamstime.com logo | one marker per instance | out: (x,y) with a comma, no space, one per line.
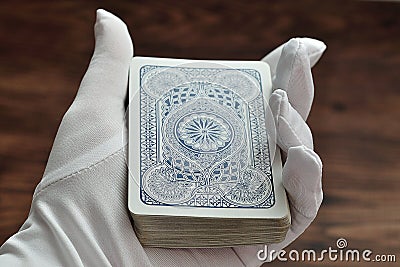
(339,253)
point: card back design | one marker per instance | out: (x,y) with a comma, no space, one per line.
(203,138)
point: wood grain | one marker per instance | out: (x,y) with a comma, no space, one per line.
(46,45)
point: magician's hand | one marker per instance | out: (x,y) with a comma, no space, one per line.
(79,214)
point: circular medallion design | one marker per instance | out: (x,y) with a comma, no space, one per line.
(243,84)
(161,184)
(253,188)
(204,132)
(159,81)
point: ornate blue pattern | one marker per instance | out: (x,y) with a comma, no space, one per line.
(203,132)
(203,138)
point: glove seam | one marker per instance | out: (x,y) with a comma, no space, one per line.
(293,131)
(241,260)
(291,67)
(79,172)
(312,217)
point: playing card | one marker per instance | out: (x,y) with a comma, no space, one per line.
(200,140)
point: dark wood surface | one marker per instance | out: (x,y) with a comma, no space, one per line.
(45,47)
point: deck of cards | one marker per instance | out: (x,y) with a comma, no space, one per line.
(204,170)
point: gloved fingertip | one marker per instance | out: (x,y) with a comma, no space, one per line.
(313,45)
(107,74)
(292,44)
(279,102)
(293,74)
(280,92)
(294,48)
(307,153)
(112,36)
(292,52)
(314,156)
(303,162)
(302,179)
(315,48)
(101,13)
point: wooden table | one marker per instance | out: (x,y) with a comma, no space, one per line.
(45,48)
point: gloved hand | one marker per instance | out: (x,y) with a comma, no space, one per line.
(79,214)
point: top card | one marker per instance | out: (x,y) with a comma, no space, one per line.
(198,135)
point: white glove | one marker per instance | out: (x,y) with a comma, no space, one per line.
(79,214)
